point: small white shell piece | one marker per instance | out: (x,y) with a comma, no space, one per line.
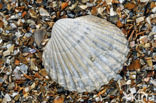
(85,53)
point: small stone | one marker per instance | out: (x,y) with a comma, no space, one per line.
(11,48)
(109,2)
(94,11)
(33,86)
(39,35)
(154,45)
(133,90)
(84,1)
(43,72)
(14,94)
(26,89)
(144,1)
(153,82)
(43,12)
(17,73)
(97,99)
(112,12)
(1,23)
(130,5)
(7,97)
(6,53)
(119,24)
(132,44)
(147,45)
(132,75)
(17,97)
(154,10)
(147,79)
(73,6)
(58,99)
(13,26)
(100,10)
(140,19)
(149,61)
(143,39)
(24,68)
(121,1)
(54,4)
(135,65)
(154,29)
(83,7)
(32,13)
(11,86)
(114,19)
(1,40)
(1,5)
(64,5)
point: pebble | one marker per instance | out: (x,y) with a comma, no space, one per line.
(43,12)
(144,1)
(11,86)
(1,80)
(14,94)
(83,6)
(154,29)
(121,1)
(73,6)
(6,53)
(1,40)
(149,61)
(97,99)
(7,98)
(112,12)
(84,1)
(154,10)
(140,19)
(132,44)
(147,45)
(109,2)
(38,36)
(17,72)
(13,26)
(24,68)
(153,82)
(133,90)
(100,10)
(143,39)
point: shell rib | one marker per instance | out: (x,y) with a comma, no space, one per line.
(85,53)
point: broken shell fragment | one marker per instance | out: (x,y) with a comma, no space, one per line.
(85,53)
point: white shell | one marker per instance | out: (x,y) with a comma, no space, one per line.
(85,53)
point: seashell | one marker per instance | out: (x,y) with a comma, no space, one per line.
(85,53)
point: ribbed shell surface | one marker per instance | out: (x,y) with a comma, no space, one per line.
(84,53)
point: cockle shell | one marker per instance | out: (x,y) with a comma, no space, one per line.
(85,53)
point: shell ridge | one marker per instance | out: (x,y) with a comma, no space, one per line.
(96,45)
(84,58)
(60,71)
(85,49)
(90,39)
(71,70)
(101,26)
(54,72)
(106,33)
(66,72)
(77,59)
(63,45)
(89,61)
